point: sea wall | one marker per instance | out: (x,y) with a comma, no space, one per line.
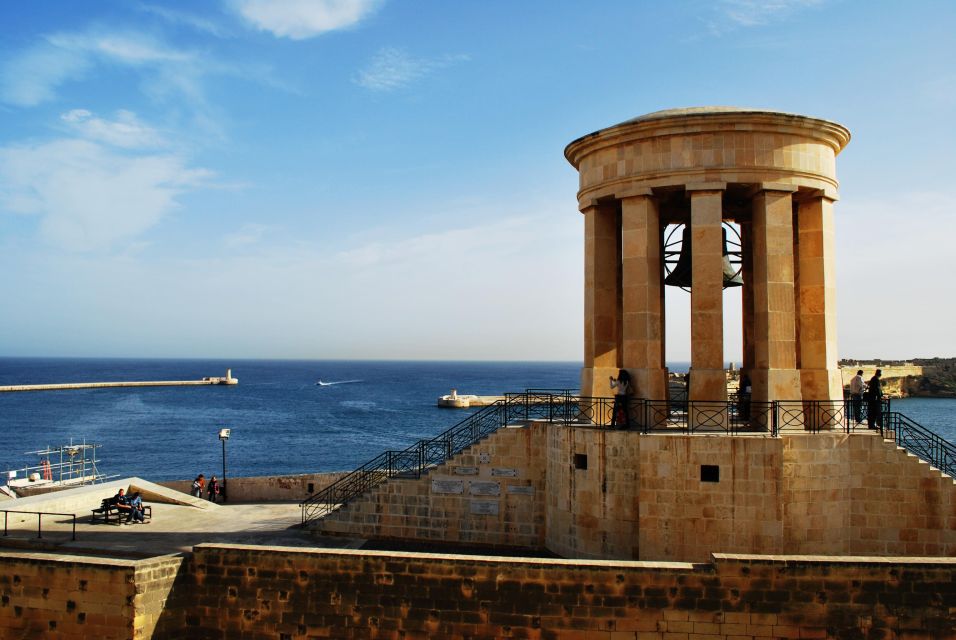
(292,488)
(287,593)
(63,596)
(594,493)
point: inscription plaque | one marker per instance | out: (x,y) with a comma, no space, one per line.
(484,488)
(484,457)
(484,507)
(466,471)
(448,486)
(505,473)
(521,489)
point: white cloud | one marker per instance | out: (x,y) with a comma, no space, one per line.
(749,13)
(393,68)
(188,19)
(248,234)
(300,19)
(126,131)
(32,77)
(88,196)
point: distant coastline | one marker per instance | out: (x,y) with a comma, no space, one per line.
(916,378)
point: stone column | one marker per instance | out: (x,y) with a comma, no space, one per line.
(775,375)
(816,248)
(602,266)
(643,311)
(708,381)
(747,295)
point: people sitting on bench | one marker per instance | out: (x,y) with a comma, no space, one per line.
(122,504)
(137,510)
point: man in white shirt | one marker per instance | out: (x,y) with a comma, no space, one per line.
(856,396)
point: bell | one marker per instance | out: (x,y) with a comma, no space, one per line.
(682,274)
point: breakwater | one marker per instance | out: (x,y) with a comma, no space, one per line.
(225,380)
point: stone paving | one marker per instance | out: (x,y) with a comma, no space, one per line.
(173,528)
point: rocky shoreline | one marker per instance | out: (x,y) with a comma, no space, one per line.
(916,378)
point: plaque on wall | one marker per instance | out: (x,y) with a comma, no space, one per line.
(507,473)
(448,486)
(521,489)
(466,471)
(484,507)
(484,488)
(484,457)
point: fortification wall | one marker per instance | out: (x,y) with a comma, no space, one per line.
(491,494)
(241,591)
(267,488)
(62,596)
(592,493)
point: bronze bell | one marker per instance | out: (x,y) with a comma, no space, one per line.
(682,274)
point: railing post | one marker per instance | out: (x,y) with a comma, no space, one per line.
(39,525)
(6,514)
(74,526)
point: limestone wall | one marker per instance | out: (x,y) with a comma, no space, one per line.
(267,488)
(491,494)
(62,596)
(253,592)
(592,493)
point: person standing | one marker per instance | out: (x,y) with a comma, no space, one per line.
(199,485)
(213,489)
(856,396)
(622,387)
(874,406)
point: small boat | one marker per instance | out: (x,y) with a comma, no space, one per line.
(324,384)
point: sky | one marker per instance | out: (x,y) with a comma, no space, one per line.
(385,179)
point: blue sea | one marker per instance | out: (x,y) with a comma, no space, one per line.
(282,422)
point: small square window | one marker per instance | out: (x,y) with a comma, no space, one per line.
(580,461)
(709,473)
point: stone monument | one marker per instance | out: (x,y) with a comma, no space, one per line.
(771,174)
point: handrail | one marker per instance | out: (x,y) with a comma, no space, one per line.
(410,462)
(39,515)
(920,441)
(739,414)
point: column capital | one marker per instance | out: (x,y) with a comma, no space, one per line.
(705,186)
(781,187)
(634,192)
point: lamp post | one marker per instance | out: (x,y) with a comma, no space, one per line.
(223,436)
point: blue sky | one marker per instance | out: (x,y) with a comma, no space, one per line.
(385,178)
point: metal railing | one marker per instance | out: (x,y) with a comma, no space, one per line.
(920,441)
(39,515)
(737,415)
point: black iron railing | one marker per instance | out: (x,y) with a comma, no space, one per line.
(920,441)
(39,514)
(737,415)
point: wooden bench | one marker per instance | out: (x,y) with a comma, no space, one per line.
(109,512)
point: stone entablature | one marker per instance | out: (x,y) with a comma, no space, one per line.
(676,147)
(601,494)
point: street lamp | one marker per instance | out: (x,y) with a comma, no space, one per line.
(223,436)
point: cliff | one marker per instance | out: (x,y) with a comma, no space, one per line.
(920,377)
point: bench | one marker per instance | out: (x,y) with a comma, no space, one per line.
(109,512)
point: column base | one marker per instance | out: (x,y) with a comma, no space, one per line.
(708,384)
(649,384)
(821,384)
(775,384)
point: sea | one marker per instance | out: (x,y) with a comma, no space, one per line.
(281,421)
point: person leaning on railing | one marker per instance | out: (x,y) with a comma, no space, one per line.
(622,387)
(856,396)
(874,404)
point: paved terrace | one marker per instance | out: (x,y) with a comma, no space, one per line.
(179,522)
